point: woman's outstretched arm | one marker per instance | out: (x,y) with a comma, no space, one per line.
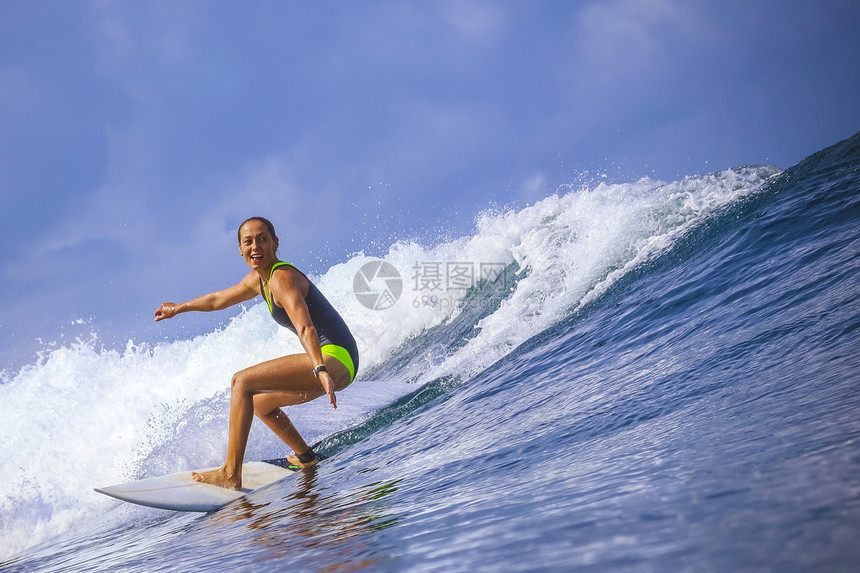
(218,300)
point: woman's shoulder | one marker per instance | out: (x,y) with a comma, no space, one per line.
(251,281)
(289,278)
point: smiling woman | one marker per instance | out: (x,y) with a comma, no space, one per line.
(328,365)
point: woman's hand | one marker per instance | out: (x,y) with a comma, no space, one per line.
(166,310)
(328,386)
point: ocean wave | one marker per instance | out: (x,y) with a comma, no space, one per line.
(85,415)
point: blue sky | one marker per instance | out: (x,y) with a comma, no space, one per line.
(135,136)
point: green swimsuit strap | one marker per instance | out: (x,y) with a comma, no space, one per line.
(266,293)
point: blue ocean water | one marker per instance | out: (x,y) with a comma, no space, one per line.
(665,376)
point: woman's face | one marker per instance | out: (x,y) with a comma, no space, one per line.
(257,245)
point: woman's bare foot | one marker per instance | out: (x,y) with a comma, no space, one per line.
(220,477)
(294,460)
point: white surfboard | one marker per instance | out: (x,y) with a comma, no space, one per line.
(181,493)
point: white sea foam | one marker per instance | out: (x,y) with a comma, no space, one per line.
(570,247)
(85,416)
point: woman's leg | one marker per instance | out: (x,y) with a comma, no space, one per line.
(267,407)
(280,382)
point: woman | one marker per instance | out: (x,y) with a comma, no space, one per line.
(328,365)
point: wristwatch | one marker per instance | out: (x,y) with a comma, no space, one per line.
(318,369)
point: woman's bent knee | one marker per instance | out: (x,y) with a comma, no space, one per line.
(240,381)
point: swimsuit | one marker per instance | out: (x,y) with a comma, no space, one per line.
(334,336)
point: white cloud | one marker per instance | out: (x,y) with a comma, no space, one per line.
(534,188)
(621,38)
(131,34)
(475,20)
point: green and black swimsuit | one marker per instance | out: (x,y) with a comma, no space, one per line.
(334,336)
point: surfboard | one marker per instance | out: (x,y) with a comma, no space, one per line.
(178,492)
